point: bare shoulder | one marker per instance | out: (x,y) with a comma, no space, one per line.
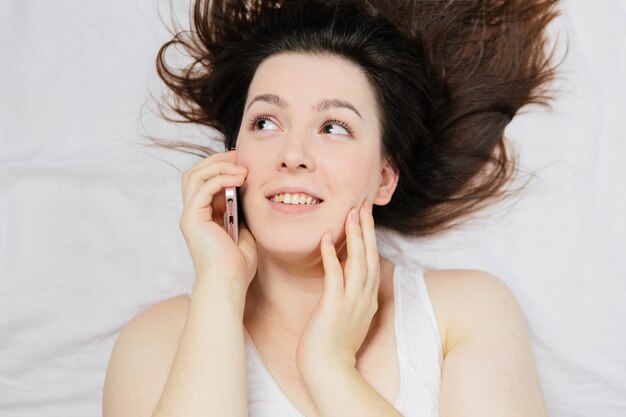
(141,358)
(487,350)
(461,298)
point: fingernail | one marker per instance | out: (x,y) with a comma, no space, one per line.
(327,238)
(367,206)
(354,215)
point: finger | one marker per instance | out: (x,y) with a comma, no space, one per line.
(356,265)
(230,156)
(247,244)
(195,178)
(217,157)
(371,249)
(333,274)
(203,198)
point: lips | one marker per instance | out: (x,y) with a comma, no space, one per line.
(293,190)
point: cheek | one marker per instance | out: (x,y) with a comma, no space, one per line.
(357,173)
(246,158)
(252,154)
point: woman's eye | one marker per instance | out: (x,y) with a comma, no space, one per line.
(337,128)
(262,123)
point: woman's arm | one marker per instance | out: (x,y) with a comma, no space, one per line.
(343,391)
(326,355)
(207,375)
(489,368)
(159,370)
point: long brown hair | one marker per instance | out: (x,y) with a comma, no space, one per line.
(449,76)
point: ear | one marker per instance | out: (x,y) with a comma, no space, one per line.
(387,185)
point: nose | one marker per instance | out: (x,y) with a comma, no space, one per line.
(295,155)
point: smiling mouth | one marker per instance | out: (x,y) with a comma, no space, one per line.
(294,199)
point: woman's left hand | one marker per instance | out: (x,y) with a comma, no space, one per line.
(340,323)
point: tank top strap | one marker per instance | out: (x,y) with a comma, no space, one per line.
(418,332)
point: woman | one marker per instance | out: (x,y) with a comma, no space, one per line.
(344,115)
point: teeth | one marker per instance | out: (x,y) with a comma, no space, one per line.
(294,199)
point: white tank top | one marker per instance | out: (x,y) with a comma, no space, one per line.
(419,354)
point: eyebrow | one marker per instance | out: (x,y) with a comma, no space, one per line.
(321,106)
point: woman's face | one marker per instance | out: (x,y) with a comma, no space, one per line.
(309,126)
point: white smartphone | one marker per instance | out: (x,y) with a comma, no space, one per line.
(231,220)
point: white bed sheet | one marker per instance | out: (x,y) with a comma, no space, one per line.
(89,220)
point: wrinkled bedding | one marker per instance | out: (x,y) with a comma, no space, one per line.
(89,231)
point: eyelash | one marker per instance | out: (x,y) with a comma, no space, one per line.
(253,120)
(340,123)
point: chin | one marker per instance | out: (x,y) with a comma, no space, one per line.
(293,240)
(289,245)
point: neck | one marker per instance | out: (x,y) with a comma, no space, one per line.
(284,293)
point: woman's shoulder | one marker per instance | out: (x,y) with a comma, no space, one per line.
(487,350)
(142,356)
(163,319)
(160,325)
(463,299)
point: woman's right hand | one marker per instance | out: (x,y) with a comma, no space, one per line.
(215,255)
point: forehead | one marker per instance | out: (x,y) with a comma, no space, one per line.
(306,78)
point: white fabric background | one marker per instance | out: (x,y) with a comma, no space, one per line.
(89,219)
